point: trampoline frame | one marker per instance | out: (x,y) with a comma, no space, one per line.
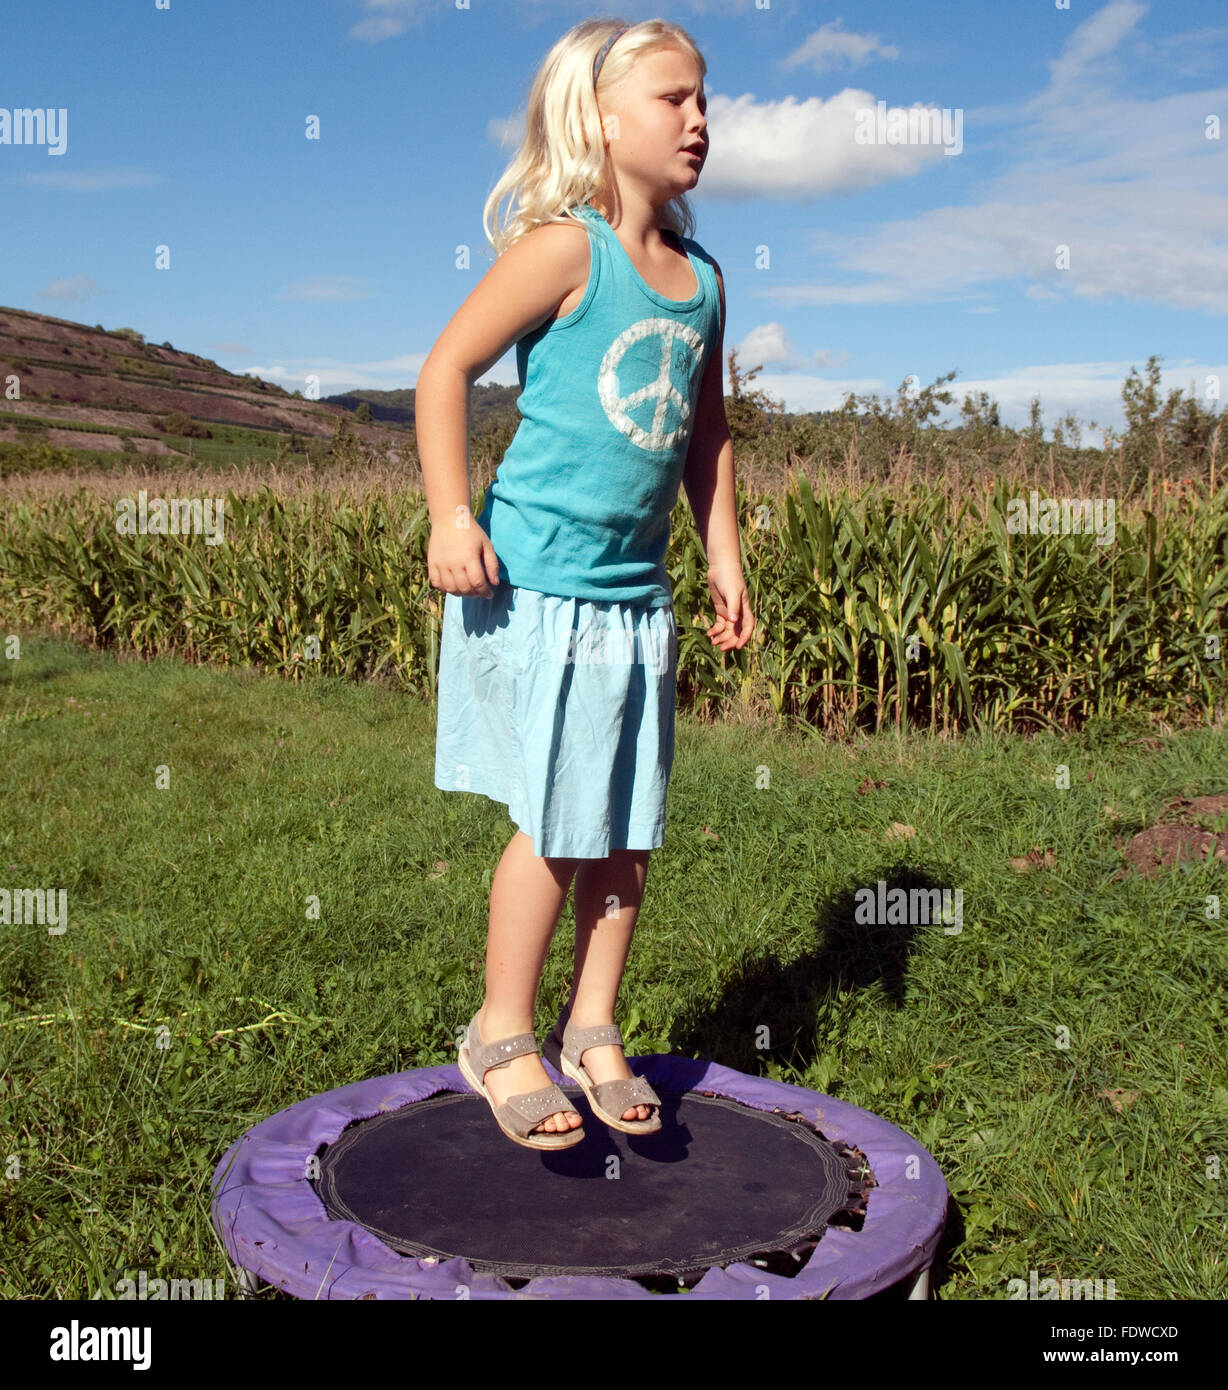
(276,1229)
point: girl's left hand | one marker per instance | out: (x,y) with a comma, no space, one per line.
(734,620)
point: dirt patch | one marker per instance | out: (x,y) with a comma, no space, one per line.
(111,443)
(1202,810)
(1163,846)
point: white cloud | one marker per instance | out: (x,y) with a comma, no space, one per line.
(506,132)
(1089,390)
(1131,185)
(769,344)
(801,148)
(1086,51)
(385,19)
(391,374)
(88,180)
(801,394)
(829,47)
(79,287)
(330,288)
(1117,250)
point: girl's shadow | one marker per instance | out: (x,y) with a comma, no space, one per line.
(771,1009)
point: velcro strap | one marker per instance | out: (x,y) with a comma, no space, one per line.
(580,1039)
(487,1056)
(616,1096)
(521,1113)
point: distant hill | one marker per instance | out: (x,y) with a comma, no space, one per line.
(489,406)
(97,391)
(91,394)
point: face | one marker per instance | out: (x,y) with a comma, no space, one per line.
(661,108)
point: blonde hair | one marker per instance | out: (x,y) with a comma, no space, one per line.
(562,159)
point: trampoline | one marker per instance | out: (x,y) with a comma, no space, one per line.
(403,1187)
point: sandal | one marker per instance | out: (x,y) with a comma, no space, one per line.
(518,1114)
(608,1098)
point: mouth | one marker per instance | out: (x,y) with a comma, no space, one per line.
(699,151)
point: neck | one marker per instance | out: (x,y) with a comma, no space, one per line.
(639,219)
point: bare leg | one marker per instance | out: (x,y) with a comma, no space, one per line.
(608,894)
(526,899)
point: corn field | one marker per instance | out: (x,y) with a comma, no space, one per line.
(870,611)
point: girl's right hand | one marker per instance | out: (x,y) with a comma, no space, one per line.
(460,560)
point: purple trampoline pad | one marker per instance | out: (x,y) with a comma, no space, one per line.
(403,1186)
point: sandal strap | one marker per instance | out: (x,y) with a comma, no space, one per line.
(577,1040)
(616,1096)
(523,1112)
(486,1057)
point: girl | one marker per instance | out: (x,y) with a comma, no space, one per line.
(558,653)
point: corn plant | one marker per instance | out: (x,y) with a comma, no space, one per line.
(875,609)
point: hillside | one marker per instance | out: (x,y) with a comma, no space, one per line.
(490,407)
(89,390)
(72,395)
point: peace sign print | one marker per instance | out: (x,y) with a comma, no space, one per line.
(679,343)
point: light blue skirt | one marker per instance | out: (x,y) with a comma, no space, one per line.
(563,710)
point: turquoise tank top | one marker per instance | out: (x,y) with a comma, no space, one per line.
(580,504)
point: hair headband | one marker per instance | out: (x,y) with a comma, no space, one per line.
(605,48)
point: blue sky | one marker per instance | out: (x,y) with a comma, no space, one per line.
(1084,127)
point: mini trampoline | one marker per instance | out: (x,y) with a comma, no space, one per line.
(404,1187)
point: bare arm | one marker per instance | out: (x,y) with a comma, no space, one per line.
(519,292)
(708,476)
(712,493)
(525,285)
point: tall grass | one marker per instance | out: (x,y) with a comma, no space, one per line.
(918,609)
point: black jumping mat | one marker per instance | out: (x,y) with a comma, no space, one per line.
(720,1182)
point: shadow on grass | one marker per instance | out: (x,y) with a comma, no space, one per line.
(790,1000)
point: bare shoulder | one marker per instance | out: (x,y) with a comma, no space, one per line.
(557,255)
(519,292)
(557,251)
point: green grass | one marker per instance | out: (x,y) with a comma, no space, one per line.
(189,907)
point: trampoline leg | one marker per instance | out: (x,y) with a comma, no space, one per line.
(248,1282)
(920,1286)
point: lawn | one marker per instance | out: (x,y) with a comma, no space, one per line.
(267,897)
